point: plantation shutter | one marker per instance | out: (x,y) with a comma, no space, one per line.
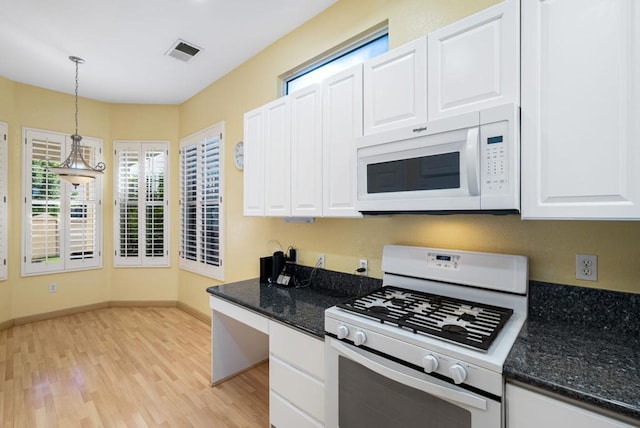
(83,218)
(156,204)
(210,184)
(201,225)
(3,200)
(141,222)
(61,223)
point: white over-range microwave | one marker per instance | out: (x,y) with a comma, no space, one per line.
(467,163)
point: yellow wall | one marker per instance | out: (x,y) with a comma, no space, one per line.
(157,123)
(550,245)
(28,106)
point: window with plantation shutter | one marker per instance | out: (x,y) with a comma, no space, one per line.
(3,200)
(62,224)
(141,218)
(201,215)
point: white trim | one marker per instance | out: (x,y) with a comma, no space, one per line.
(4,187)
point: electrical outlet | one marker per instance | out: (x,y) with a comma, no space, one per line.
(320,261)
(53,287)
(587,267)
(363,268)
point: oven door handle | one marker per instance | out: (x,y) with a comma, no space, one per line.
(430,388)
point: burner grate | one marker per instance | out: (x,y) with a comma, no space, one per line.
(468,323)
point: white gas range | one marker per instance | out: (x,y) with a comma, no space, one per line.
(436,335)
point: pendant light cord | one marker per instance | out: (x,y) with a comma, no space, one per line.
(76,97)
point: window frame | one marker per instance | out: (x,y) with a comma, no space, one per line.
(4,186)
(141,259)
(199,140)
(67,262)
(328,57)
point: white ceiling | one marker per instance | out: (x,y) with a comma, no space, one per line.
(123,43)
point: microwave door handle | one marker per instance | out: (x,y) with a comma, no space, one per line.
(430,388)
(472,156)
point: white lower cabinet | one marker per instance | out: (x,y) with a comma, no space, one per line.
(296,378)
(529,409)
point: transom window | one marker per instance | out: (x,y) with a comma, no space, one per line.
(357,52)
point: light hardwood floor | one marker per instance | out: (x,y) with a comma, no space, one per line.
(122,367)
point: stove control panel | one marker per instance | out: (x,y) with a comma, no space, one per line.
(443,261)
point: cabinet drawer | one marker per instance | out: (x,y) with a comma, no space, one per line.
(298,349)
(300,389)
(283,415)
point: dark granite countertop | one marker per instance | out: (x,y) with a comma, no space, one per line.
(583,344)
(300,307)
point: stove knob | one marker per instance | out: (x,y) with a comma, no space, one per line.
(359,338)
(343,331)
(430,363)
(458,373)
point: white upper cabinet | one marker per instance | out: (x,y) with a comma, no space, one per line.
(277,156)
(395,88)
(341,125)
(306,152)
(580,109)
(474,63)
(254,163)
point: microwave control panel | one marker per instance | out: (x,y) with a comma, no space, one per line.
(495,157)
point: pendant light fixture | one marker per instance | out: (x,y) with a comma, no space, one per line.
(75,169)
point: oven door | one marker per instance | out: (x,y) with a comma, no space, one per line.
(366,390)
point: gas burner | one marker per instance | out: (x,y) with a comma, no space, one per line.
(379,309)
(467,317)
(398,301)
(454,329)
(471,324)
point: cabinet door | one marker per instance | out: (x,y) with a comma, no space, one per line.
(528,409)
(474,63)
(395,88)
(306,152)
(254,163)
(341,125)
(277,155)
(580,96)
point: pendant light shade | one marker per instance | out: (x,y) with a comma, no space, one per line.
(75,168)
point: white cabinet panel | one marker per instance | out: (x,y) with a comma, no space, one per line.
(299,349)
(341,125)
(277,155)
(528,409)
(283,414)
(306,152)
(296,376)
(474,63)
(580,109)
(297,387)
(395,88)
(254,163)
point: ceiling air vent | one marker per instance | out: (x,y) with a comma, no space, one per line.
(183,51)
